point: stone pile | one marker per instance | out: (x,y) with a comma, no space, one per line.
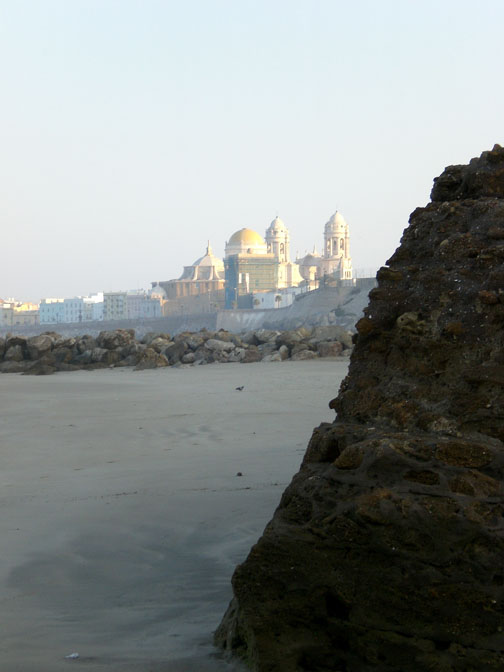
(386,553)
(50,352)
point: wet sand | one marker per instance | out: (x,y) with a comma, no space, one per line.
(122,517)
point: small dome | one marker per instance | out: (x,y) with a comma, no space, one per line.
(336,222)
(277,225)
(157,290)
(246,237)
(310,260)
(209,259)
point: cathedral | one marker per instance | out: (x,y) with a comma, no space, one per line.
(253,264)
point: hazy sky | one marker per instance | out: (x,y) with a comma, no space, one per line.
(131,131)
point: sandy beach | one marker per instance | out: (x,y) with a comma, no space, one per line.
(122,515)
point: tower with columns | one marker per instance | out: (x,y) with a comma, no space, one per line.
(278,240)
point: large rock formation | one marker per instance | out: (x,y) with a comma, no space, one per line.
(386,552)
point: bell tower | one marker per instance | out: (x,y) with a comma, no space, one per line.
(278,240)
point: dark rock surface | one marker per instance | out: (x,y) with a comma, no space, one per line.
(386,553)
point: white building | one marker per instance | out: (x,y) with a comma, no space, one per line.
(51,311)
(280,298)
(93,307)
(278,242)
(141,305)
(335,259)
(72,310)
(114,306)
(131,305)
(6,312)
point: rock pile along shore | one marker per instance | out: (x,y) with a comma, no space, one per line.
(386,553)
(50,352)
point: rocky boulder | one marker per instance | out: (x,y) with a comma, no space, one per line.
(188,358)
(60,342)
(152,335)
(249,338)
(289,338)
(11,341)
(283,351)
(150,359)
(265,336)
(237,355)
(267,348)
(85,343)
(273,357)
(223,335)
(14,353)
(159,344)
(386,552)
(252,354)
(39,345)
(194,341)
(104,356)
(329,349)
(120,348)
(217,345)
(175,352)
(302,355)
(110,340)
(83,358)
(332,333)
(62,355)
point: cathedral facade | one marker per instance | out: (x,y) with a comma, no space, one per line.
(253,264)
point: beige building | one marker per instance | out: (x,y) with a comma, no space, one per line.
(200,288)
(6,312)
(278,242)
(114,306)
(335,259)
(26,314)
(249,268)
(16,314)
(254,264)
(131,305)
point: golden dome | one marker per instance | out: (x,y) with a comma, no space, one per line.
(246,238)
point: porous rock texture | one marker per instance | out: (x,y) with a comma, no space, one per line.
(386,552)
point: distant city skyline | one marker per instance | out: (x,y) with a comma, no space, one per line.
(132,132)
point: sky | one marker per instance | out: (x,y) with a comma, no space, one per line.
(133,131)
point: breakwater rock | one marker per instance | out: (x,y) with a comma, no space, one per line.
(50,352)
(386,553)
